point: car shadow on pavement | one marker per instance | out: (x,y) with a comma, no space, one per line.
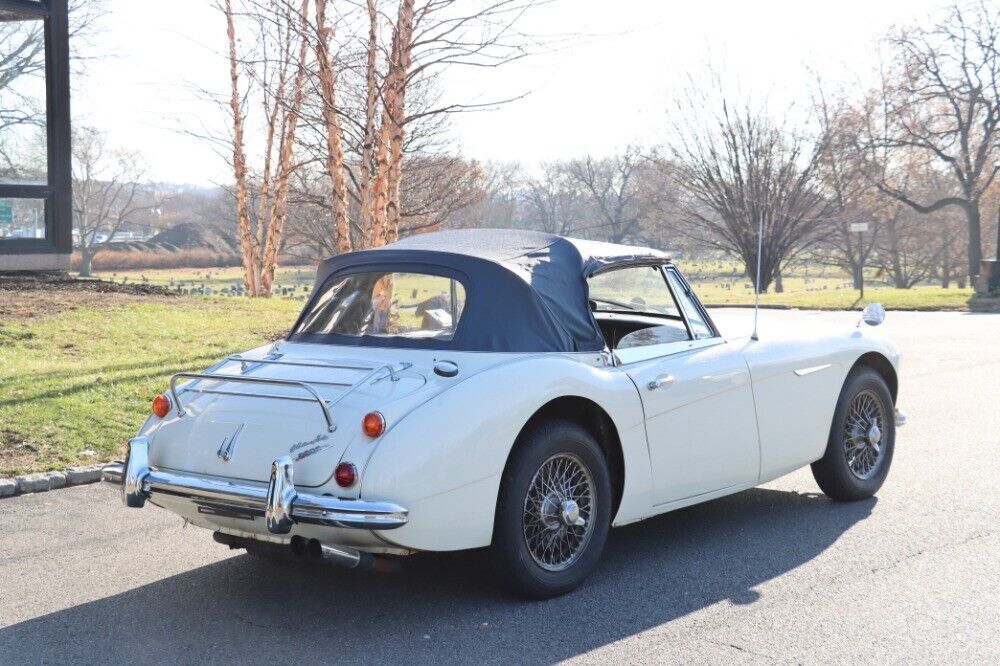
(445,607)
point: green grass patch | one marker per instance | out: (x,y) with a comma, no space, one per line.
(74,386)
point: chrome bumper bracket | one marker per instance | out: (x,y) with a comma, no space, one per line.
(278,502)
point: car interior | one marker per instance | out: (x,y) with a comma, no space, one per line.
(619,329)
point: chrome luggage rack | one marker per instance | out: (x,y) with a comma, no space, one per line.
(249,364)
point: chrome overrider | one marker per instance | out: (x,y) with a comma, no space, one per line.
(278,502)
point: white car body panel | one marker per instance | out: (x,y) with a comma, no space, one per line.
(736,415)
(250,447)
(692,450)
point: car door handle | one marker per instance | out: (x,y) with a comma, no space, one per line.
(661,381)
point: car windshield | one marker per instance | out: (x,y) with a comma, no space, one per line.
(386,304)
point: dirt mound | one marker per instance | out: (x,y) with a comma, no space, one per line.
(187,235)
(28,297)
(50,284)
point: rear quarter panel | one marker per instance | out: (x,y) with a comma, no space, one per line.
(444,461)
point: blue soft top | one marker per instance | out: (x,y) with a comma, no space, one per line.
(526,291)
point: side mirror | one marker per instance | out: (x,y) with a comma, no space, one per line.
(873,314)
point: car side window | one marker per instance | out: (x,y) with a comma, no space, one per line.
(696,320)
(639,289)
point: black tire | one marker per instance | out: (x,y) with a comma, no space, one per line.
(522,573)
(833,472)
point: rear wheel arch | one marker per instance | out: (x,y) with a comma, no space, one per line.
(597,422)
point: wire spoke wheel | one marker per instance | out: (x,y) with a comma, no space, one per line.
(558,512)
(863,429)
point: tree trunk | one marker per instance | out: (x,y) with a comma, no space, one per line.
(945,259)
(334,144)
(248,247)
(975,241)
(779,286)
(286,150)
(997,248)
(365,195)
(85,260)
(390,150)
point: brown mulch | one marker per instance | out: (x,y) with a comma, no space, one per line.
(26,297)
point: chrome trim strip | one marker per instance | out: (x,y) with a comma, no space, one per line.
(303,363)
(802,372)
(252,380)
(278,502)
(650,352)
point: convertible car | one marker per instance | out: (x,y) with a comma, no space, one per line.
(505,389)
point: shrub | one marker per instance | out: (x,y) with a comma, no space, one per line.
(118,260)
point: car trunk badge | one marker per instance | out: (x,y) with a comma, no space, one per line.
(228,446)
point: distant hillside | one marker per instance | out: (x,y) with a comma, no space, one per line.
(191,236)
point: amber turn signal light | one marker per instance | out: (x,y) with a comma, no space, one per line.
(161,405)
(373,424)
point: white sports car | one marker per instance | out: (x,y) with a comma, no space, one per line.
(509,389)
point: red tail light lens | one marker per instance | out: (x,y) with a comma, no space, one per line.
(373,424)
(345,474)
(161,405)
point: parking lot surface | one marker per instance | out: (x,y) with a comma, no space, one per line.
(774,574)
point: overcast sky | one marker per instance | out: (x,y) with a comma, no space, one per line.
(609,87)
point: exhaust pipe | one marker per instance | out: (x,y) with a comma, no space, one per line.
(313,550)
(351,558)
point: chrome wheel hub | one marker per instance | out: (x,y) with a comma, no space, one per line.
(863,435)
(557,511)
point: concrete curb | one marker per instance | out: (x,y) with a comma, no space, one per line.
(44,481)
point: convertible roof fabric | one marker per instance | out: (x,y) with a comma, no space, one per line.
(526,291)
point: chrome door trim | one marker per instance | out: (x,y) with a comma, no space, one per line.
(651,352)
(802,372)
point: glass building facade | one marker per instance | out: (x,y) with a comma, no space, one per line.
(35,170)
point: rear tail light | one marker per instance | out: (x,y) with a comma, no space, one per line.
(373,424)
(345,474)
(161,405)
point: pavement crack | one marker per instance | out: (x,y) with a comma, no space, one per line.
(924,551)
(742,649)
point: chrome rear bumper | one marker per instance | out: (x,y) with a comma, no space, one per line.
(278,502)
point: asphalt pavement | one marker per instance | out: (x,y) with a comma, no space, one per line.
(774,574)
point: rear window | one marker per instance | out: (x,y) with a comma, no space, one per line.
(386,305)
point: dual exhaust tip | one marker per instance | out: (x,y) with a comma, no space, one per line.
(313,550)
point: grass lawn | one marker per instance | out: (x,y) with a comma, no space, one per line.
(717,283)
(294,282)
(80,363)
(75,382)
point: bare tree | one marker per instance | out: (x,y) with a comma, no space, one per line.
(853,199)
(941,96)
(738,168)
(611,186)
(276,66)
(553,201)
(403,52)
(106,192)
(334,136)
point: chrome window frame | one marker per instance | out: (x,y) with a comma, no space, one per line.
(651,352)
